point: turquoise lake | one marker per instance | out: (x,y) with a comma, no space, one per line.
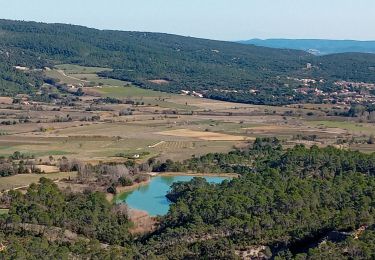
(151,197)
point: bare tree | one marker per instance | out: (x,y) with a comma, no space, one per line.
(114,172)
(65,165)
(6,169)
(121,210)
(85,172)
(145,167)
(31,165)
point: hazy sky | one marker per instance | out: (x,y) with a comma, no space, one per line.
(214,19)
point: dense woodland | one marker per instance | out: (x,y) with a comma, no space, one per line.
(286,203)
(285,200)
(219,70)
(93,225)
(13,82)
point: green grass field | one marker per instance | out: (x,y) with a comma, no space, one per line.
(96,80)
(22,180)
(114,88)
(149,97)
(4,211)
(76,69)
(131,91)
(33,152)
(349,126)
(62,78)
(82,75)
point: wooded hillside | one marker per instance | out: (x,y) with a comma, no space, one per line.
(219,70)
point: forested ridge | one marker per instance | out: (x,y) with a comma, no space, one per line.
(220,70)
(297,203)
(286,200)
(47,223)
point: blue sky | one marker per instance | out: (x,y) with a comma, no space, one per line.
(214,19)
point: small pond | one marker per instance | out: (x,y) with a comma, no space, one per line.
(151,197)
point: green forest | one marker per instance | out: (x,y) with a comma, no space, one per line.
(13,82)
(284,199)
(296,203)
(219,70)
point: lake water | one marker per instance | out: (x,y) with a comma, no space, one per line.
(151,197)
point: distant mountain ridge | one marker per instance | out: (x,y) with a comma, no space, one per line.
(316,46)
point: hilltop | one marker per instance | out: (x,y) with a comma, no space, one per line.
(170,63)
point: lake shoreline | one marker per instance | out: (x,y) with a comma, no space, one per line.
(151,194)
(122,190)
(144,220)
(227,175)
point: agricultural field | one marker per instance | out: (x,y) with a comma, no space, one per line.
(76,69)
(62,77)
(24,180)
(130,91)
(156,125)
(80,75)
(207,135)
(352,127)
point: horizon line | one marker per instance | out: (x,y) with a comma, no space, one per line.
(197,37)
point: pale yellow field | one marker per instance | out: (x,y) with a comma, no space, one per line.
(48,168)
(6,100)
(207,136)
